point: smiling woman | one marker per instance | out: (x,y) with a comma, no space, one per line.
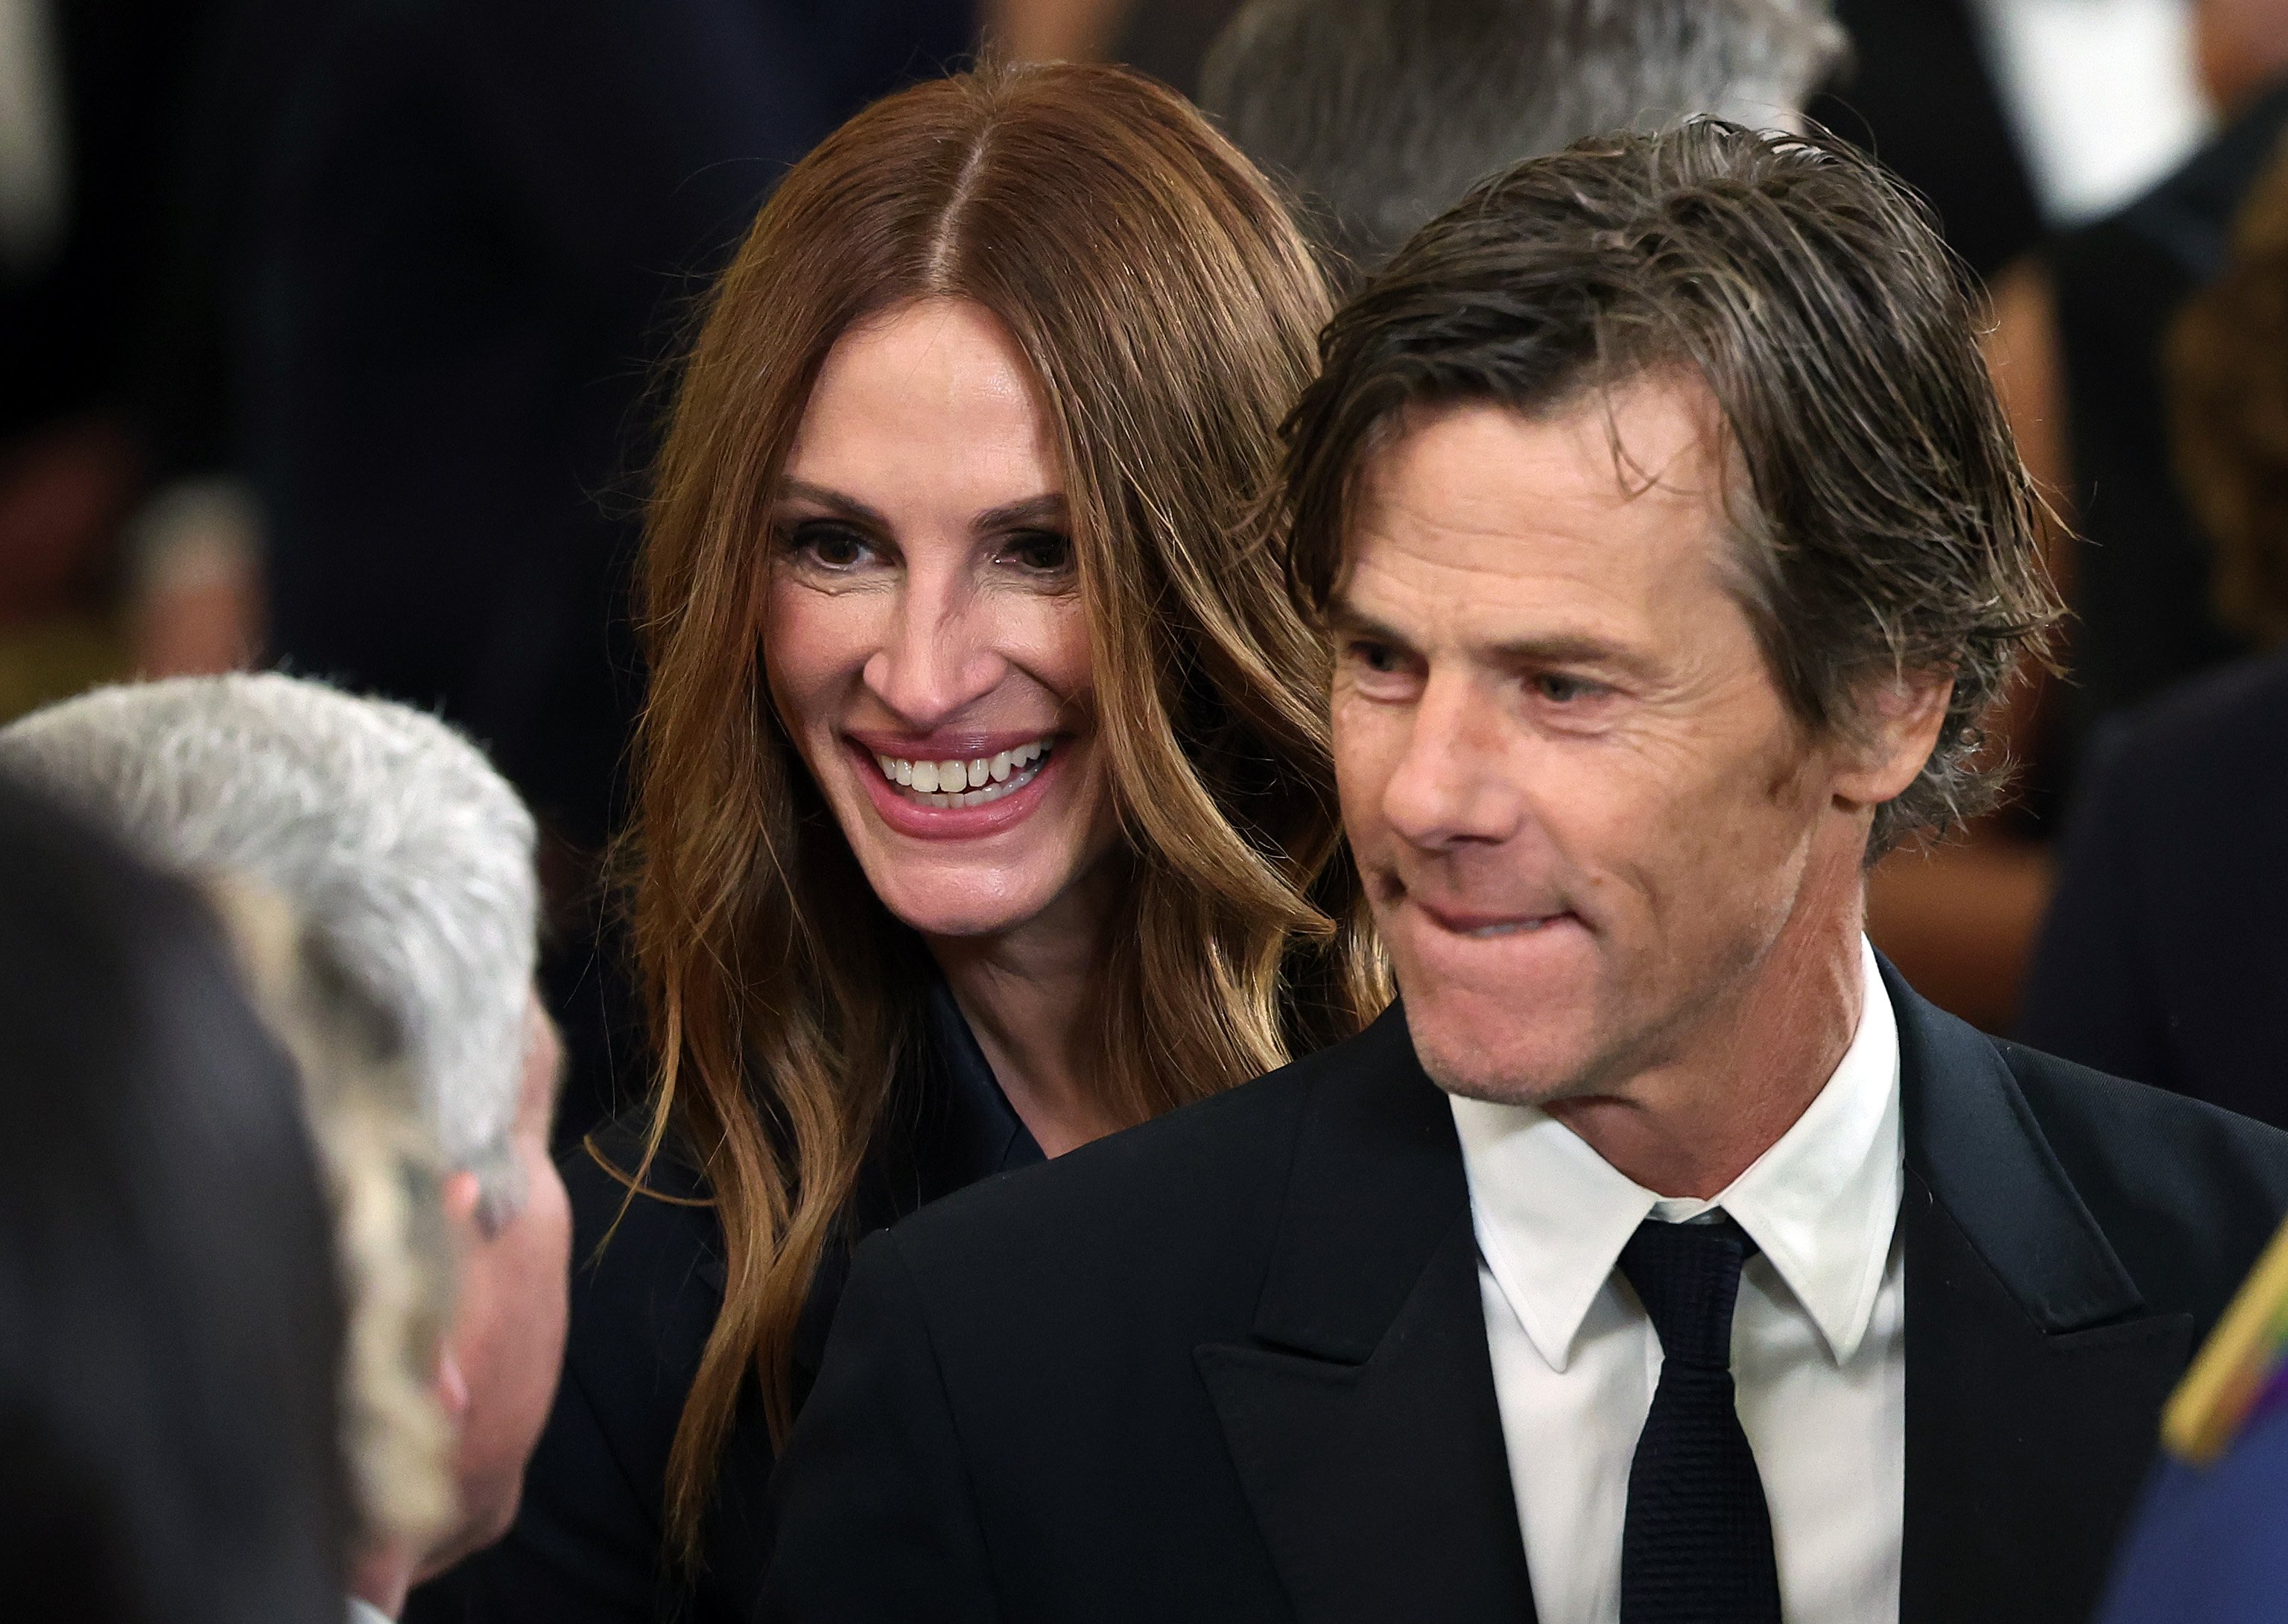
(985,802)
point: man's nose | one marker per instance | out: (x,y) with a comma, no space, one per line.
(937,654)
(1451,785)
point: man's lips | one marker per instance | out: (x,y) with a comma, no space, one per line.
(1462,920)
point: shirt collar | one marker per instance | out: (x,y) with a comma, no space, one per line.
(1552,1216)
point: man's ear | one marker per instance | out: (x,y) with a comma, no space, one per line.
(1898,728)
(452,1385)
(459,1197)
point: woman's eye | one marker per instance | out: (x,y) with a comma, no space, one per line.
(1042,552)
(827,545)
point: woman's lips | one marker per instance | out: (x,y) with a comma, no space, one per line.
(993,807)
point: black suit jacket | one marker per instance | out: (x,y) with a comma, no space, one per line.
(2163,958)
(1232,1365)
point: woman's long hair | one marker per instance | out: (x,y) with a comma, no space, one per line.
(1168,308)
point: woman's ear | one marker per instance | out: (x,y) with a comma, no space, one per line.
(1898,728)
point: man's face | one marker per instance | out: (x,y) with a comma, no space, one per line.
(508,1329)
(1584,811)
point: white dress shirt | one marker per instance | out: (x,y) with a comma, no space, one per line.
(1818,1349)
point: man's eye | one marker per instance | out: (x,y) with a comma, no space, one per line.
(1559,689)
(1042,552)
(827,545)
(1380,658)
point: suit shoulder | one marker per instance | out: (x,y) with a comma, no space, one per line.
(2159,1129)
(2187,1192)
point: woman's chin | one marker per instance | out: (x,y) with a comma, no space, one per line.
(941,917)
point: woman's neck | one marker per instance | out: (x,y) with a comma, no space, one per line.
(1027,994)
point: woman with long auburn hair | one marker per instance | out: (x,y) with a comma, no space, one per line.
(985,805)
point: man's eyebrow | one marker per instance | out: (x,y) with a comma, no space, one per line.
(1558,648)
(1346,619)
(1562,649)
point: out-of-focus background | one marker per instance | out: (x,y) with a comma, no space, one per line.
(333,335)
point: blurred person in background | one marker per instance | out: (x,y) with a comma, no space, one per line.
(92,94)
(986,806)
(2079,330)
(2090,322)
(409,861)
(2163,957)
(169,1337)
(1382,113)
(1920,87)
(462,236)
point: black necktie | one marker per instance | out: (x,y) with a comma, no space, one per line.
(1697,1545)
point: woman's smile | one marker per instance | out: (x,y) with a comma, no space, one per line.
(1002,781)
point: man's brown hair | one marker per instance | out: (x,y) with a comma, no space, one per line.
(1885,525)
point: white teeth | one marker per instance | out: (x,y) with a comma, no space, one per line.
(972,782)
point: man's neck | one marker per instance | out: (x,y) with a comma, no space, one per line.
(1691,1125)
(380,1578)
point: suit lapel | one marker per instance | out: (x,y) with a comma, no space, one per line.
(1362,1417)
(2034,1377)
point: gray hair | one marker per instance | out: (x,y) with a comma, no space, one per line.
(391,1239)
(407,856)
(1380,113)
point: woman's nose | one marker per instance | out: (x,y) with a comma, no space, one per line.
(937,655)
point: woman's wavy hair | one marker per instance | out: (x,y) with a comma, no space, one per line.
(1167,307)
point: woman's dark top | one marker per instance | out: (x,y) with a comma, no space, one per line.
(589,1544)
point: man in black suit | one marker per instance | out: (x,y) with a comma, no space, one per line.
(1664,1256)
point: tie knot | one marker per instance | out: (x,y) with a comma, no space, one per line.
(1687,1277)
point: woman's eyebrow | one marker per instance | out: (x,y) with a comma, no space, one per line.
(1047,509)
(834,502)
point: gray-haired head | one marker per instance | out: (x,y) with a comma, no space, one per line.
(407,858)
(1380,113)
